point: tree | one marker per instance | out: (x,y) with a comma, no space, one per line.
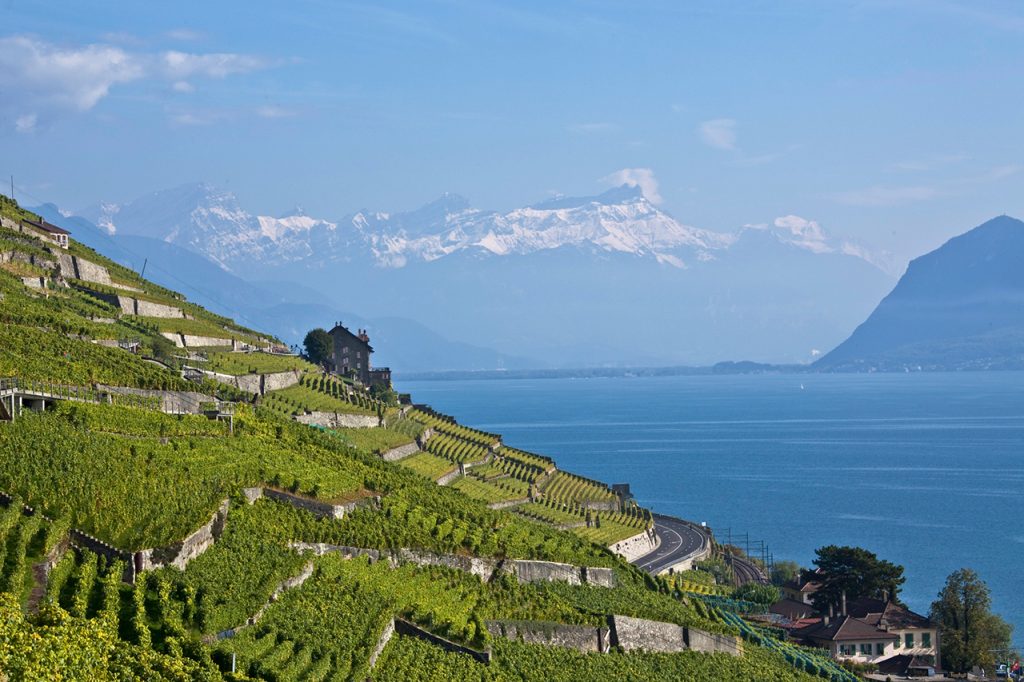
(968,631)
(319,345)
(757,593)
(855,572)
(784,571)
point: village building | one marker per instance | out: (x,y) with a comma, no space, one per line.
(801,588)
(351,355)
(47,231)
(865,631)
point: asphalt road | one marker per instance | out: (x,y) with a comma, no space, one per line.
(679,540)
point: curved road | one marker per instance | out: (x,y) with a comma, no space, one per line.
(679,541)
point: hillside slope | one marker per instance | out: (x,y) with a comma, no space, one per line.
(155,527)
(958,307)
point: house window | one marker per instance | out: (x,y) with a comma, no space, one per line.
(908,640)
(865,648)
(847,649)
(926,640)
(879,648)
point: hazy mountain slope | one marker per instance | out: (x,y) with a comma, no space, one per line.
(960,306)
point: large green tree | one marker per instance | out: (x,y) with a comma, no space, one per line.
(318,345)
(855,572)
(969,633)
(784,571)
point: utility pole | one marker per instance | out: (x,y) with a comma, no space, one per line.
(145,262)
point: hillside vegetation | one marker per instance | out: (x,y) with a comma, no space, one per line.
(119,561)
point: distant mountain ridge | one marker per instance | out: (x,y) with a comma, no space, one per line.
(605,280)
(204,218)
(959,307)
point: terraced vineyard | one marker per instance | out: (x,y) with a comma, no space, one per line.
(456,450)
(428,465)
(140,479)
(255,363)
(572,489)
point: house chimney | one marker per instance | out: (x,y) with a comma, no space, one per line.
(885,596)
(825,620)
(830,610)
(842,602)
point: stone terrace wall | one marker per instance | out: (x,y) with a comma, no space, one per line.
(404,627)
(79,268)
(318,508)
(638,634)
(181,553)
(486,569)
(134,306)
(338,420)
(171,402)
(637,546)
(449,477)
(401,452)
(579,637)
(382,641)
(255,383)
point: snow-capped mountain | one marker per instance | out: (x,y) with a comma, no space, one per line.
(606,279)
(622,220)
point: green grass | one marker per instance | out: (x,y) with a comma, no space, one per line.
(373,441)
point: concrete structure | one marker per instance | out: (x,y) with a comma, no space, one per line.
(351,355)
(681,543)
(401,452)
(380,376)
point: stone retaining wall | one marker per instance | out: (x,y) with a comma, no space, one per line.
(449,477)
(171,402)
(404,627)
(339,420)
(637,546)
(638,634)
(525,570)
(508,503)
(85,270)
(401,452)
(382,641)
(254,383)
(181,553)
(190,340)
(579,637)
(318,508)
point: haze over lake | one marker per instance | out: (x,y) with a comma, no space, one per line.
(923,469)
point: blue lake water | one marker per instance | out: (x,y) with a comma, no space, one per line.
(926,470)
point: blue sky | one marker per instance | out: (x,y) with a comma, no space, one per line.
(894,122)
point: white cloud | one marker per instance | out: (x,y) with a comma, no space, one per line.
(39,79)
(719,133)
(40,74)
(25,123)
(885,196)
(182,65)
(636,177)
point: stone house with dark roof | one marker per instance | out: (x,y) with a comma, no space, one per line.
(351,355)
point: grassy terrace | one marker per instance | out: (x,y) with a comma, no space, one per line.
(450,428)
(376,441)
(455,449)
(569,488)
